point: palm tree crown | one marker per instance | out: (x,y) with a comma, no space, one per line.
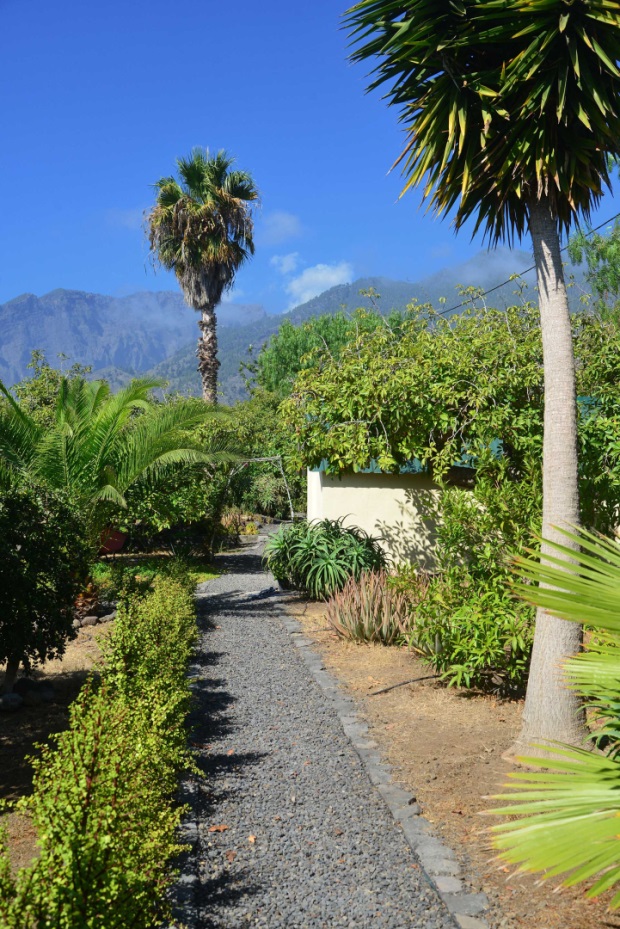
(503,101)
(201,228)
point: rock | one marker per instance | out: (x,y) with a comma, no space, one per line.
(10,702)
(90,620)
(77,623)
(108,618)
(104,607)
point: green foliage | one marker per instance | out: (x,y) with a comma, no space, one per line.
(499,103)
(473,635)
(564,820)
(601,253)
(295,347)
(113,576)
(101,444)
(44,561)
(103,800)
(320,557)
(368,609)
(38,393)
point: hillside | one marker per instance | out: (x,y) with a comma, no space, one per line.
(118,336)
(156,332)
(483,271)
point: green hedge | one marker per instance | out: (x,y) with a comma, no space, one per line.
(103,802)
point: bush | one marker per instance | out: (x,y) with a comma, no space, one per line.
(369,610)
(473,635)
(103,800)
(320,557)
(44,560)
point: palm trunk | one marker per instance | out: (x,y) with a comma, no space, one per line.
(206,353)
(552,711)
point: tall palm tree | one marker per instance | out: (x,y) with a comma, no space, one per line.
(510,108)
(201,228)
(100,444)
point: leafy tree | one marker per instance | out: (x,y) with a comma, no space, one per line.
(511,113)
(456,393)
(101,444)
(601,253)
(295,347)
(44,558)
(38,393)
(201,228)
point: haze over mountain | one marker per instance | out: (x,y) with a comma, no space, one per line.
(157,332)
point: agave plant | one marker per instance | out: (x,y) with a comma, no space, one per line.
(368,609)
(320,557)
(568,814)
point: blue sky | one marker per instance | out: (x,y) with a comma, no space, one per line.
(99,99)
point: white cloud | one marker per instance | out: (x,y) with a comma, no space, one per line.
(126,219)
(229,296)
(313,281)
(278,227)
(285,264)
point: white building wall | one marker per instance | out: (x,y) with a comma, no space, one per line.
(386,505)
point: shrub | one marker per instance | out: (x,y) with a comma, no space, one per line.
(473,635)
(368,609)
(103,799)
(320,557)
(43,563)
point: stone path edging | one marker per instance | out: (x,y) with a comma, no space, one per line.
(438,861)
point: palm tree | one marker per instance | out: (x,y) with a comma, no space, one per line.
(510,109)
(201,228)
(100,444)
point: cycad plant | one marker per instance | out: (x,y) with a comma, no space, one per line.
(101,443)
(201,228)
(568,814)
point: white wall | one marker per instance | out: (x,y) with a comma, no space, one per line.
(387,505)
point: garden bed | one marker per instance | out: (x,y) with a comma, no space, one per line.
(446,746)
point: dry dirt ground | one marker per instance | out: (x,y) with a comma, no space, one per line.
(21,731)
(445,746)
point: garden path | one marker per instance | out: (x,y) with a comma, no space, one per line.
(286,828)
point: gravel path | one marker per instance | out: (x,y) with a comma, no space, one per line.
(290,831)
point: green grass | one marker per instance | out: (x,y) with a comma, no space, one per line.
(143,568)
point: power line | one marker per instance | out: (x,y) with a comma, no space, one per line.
(520,274)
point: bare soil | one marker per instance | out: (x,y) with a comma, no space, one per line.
(445,746)
(23,731)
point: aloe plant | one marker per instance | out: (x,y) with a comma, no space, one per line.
(567,815)
(368,609)
(320,557)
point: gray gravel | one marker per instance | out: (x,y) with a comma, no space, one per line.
(309,841)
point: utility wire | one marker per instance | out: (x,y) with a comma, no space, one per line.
(520,274)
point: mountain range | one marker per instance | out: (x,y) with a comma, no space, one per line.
(156,332)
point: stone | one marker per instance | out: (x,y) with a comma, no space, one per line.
(466,904)
(77,623)
(471,922)
(107,618)
(10,702)
(90,620)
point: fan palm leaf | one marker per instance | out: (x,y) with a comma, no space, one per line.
(567,821)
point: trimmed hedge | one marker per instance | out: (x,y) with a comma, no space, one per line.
(103,803)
